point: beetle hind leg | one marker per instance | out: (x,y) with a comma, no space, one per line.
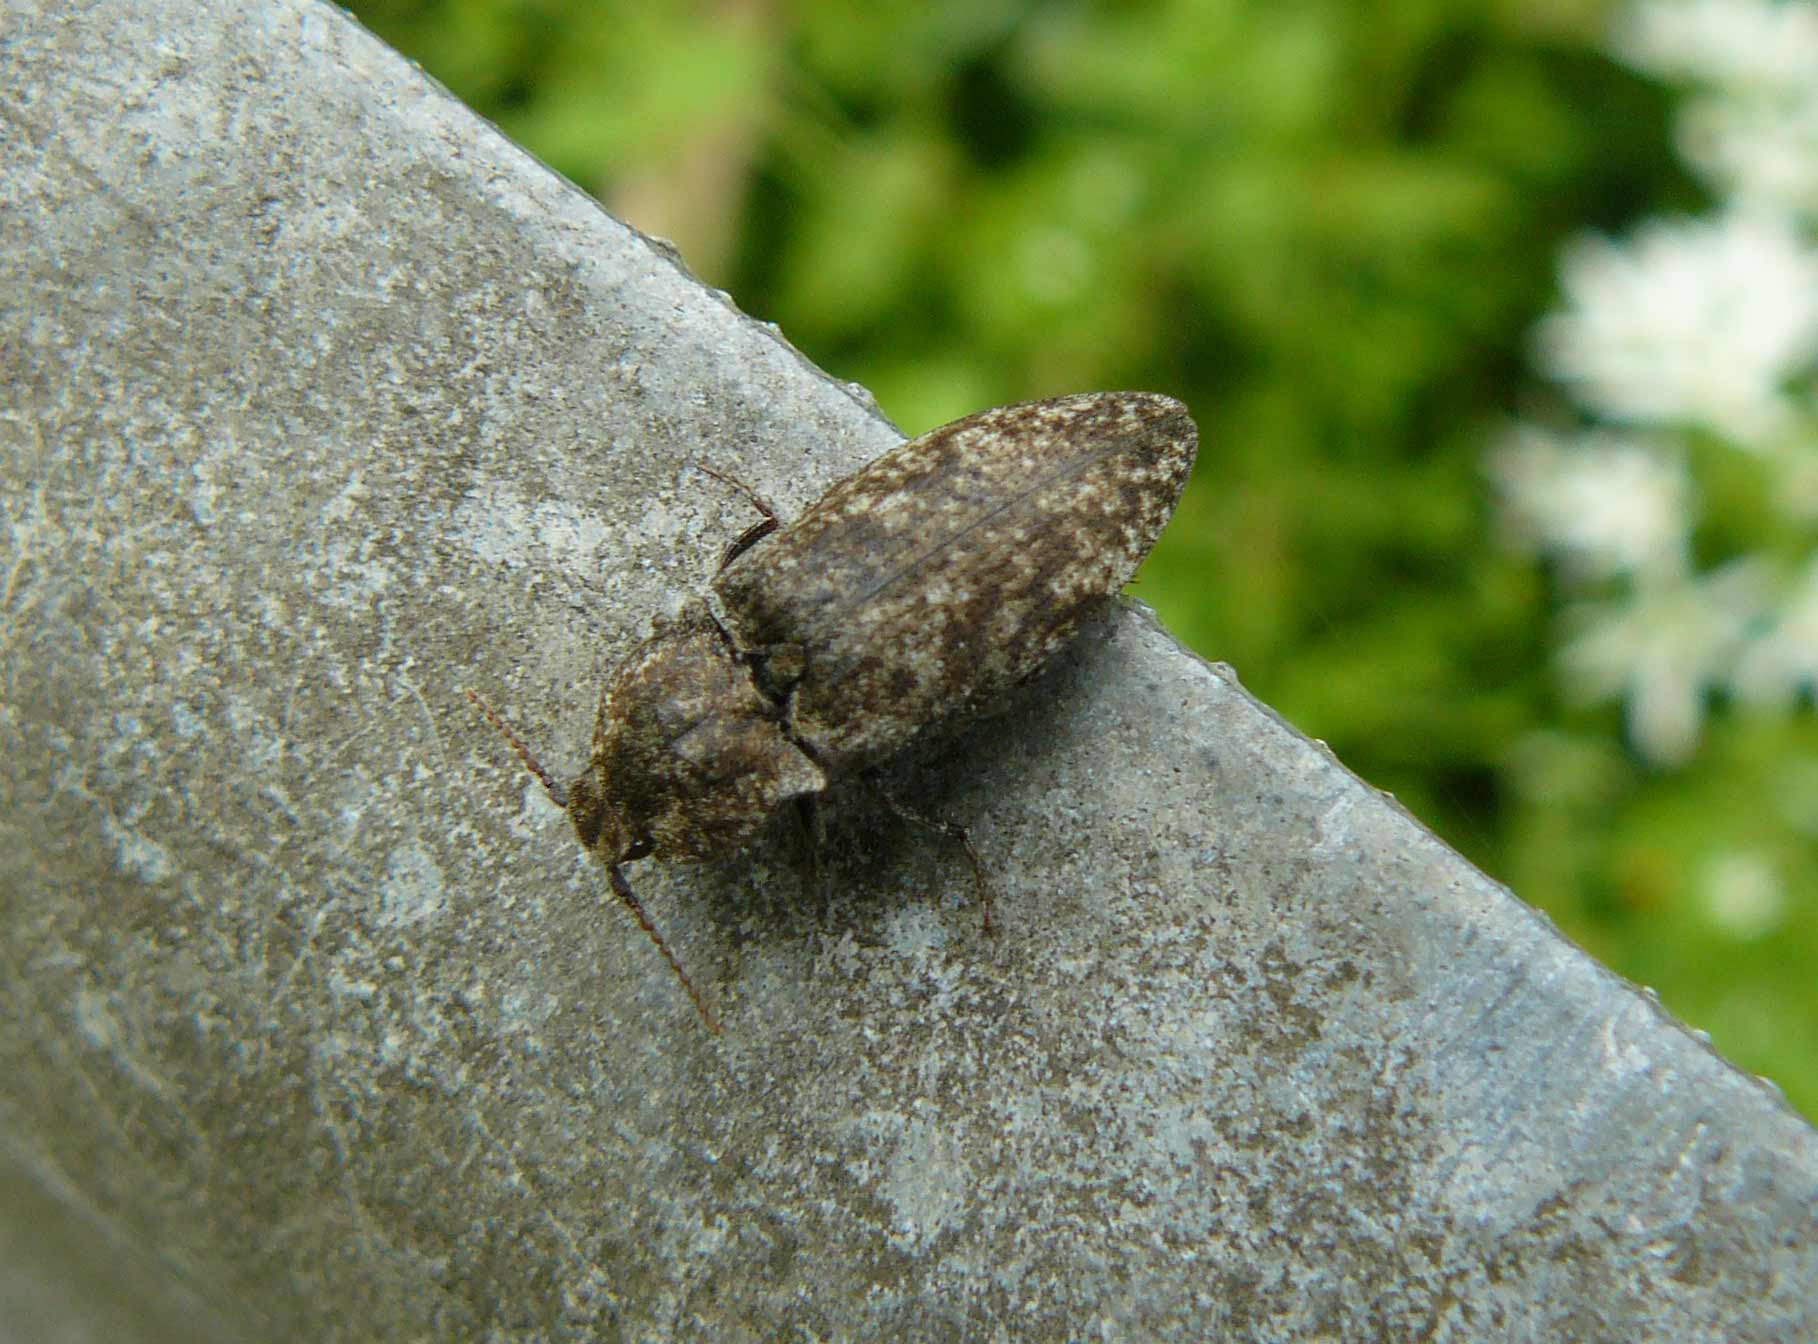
(958,834)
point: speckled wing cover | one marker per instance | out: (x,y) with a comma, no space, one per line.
(955,565)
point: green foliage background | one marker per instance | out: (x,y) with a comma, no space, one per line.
(1326,226)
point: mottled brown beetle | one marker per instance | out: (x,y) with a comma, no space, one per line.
(909,595)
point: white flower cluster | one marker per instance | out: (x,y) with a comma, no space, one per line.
(1691,322)
(1752,128)
(1694,336)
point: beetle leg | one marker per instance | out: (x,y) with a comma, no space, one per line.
(953,831)
(758,530)
(814,834)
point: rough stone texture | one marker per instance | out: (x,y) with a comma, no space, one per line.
(324,403)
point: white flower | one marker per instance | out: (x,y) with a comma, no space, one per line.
(1778,665)
(1605,504)
(1756,136)
(1744,894)
(1764,155)
(1693,321)
(1663,650)
(1759,47)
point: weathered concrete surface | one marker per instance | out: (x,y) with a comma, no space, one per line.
(324,403)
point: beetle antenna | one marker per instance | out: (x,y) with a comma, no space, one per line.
(556,791)
(633,904)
